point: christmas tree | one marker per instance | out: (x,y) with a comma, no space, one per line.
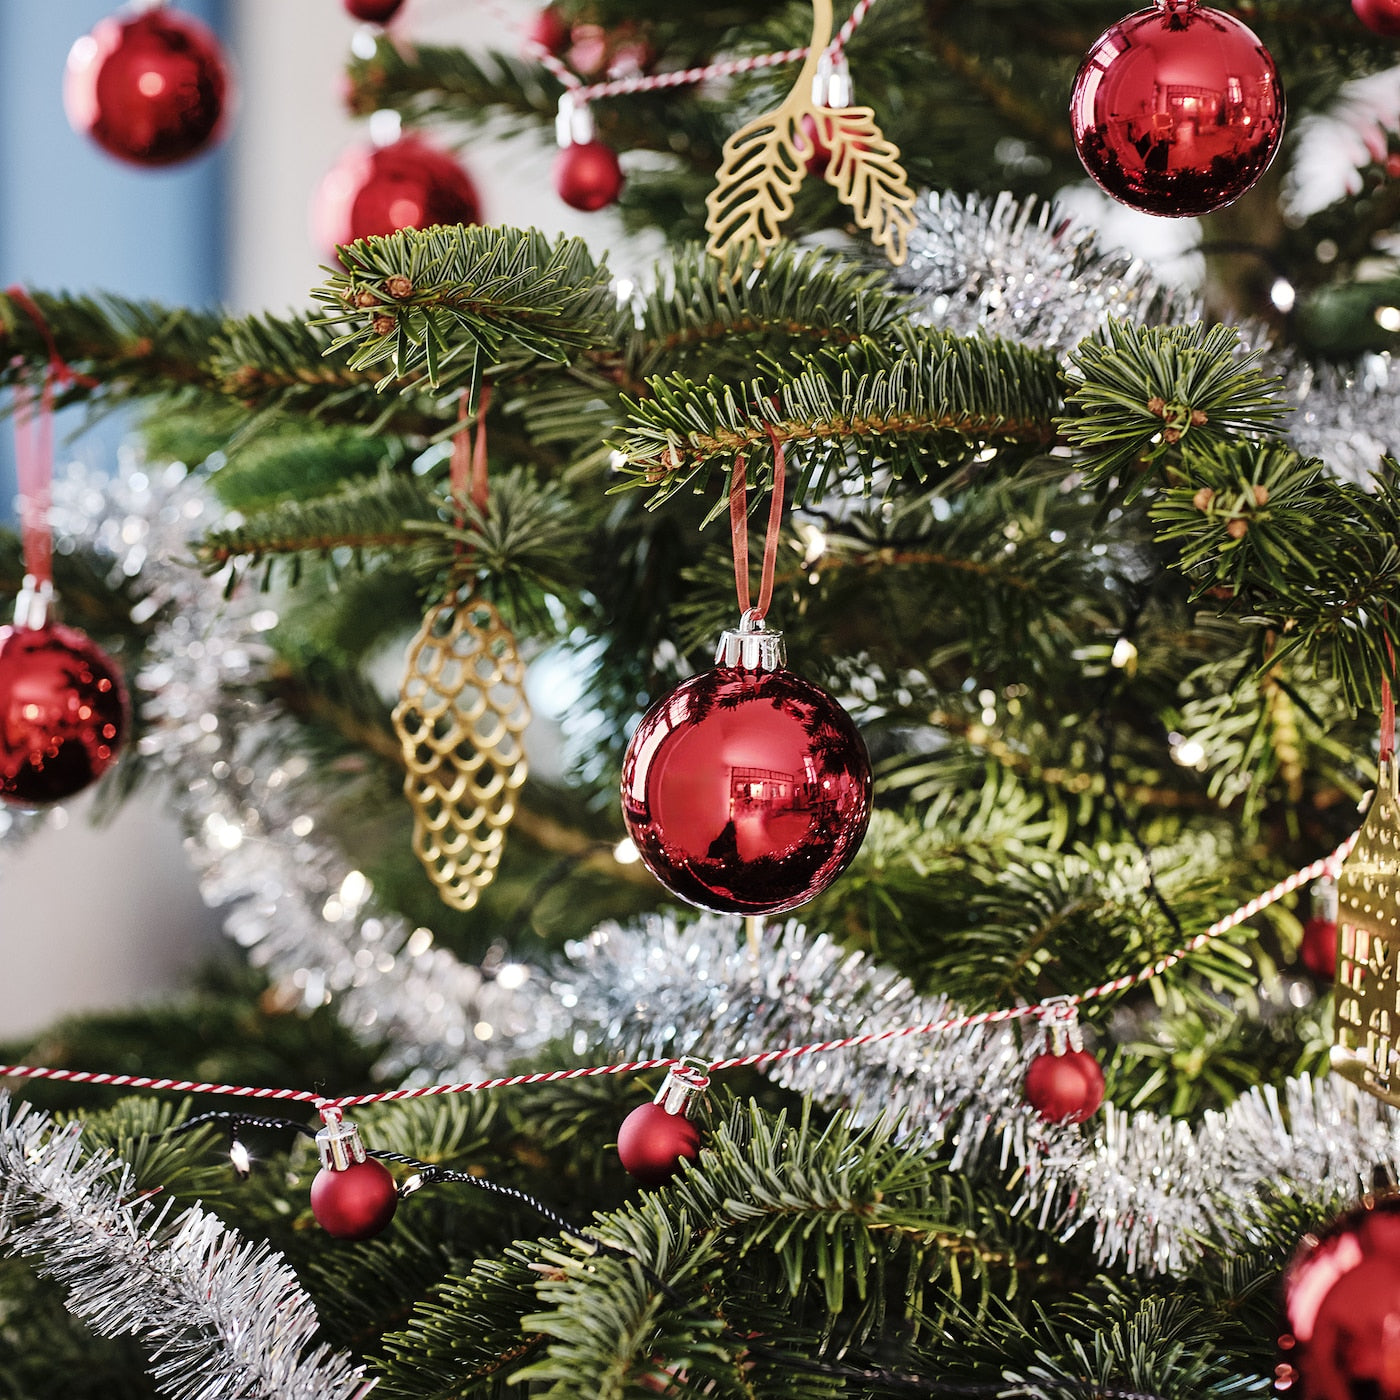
(996,1061)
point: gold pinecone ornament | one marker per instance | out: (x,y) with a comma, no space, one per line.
(460,717)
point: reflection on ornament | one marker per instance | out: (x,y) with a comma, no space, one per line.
(152,89)
(381,189)
(1342,1300)
(1177,110)
(1368,990)
(747,788)
(63,713)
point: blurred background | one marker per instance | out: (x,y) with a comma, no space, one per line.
(99,919)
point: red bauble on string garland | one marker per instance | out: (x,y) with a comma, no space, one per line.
(63,713)
(1342,1300)
(550,31)
(378,190)
(354,1202)
(1318,950)
(1064,1088)
(1177,109)
(587,175)
(746,789)
(651,1143)
(373,11)
(1379,16)
(152,89)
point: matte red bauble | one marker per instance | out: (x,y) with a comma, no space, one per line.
(1342,1299)
(373,11)
(1319,947)
(651,1143)
(746,789)
(1065,1088)
(153,89)
(377,190)
(587,175)
(1379,16)
(550,31)
(354,1202)
(1177,110)
(63,713)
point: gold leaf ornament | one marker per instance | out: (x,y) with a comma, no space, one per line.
(1366,1021)
(460,717)
(766,160)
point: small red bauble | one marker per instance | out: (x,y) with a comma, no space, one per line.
(1065,1088)
(373,11)
(587,175)
(1319,947)
(746,790)
(651,1143)
(378,190)
(1380,16)
(1177,109)
(1342,1300)
(63,713)
(550,31)
(354,1202)
(153,89)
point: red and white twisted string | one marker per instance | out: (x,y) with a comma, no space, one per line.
(331,1107)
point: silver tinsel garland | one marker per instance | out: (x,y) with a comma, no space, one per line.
(1156,1192)
(221,1318)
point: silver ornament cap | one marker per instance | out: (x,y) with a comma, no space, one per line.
(751,646)
(684,1083)
(338,1145)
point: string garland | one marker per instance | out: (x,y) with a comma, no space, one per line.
(331,1107)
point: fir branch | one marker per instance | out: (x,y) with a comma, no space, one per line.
(1142,392)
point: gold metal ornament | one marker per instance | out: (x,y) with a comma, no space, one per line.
(765,163)
(461,712)
(1367,1016)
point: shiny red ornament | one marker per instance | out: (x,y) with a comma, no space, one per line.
(1177,110)
(652,1142)
(1066,1088)
(63,713)
(1319,947)
(373,11)
(354,1202)
(1379,16)
(380,189)
(152,89)
(746,791)
(587,175)
(1342,1300)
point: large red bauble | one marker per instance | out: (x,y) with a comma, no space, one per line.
(1380,16)
(1319,947)
(587,175)
(651,1143)
(1177,110)
(1342,1299)
(1064,1088)
(373,11)
(746,791)
(63,713)
(376,190)
(354,1202)
(152,89)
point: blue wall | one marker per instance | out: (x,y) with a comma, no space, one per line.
(72,218)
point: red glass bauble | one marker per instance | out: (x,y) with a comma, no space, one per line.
(373,11)
(354,1202)
(1342,1300)
(1380,16)
(588,176)
(746,791)
(380,189)
(651,1143)
(63,713)
(550,30)
(152,89)
(1319,947)
(1064,1088)
(1177,110)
